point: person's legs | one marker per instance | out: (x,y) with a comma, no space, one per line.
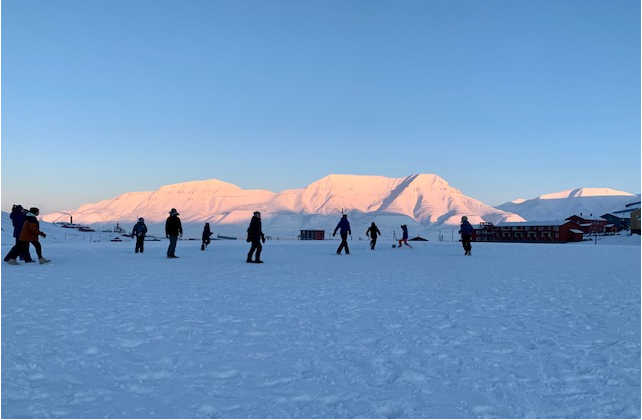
(171,250)
(256,246)
(36,245)
(14,252)
(344,242)
(24,254)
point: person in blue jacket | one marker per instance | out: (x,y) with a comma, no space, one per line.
(18,216)
(466,230)
(344,230)
(139,232)
(404,237)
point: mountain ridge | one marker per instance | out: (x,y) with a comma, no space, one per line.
(423,201)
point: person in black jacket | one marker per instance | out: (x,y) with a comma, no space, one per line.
(139,232)
(372,233)
(173,229)
(206,236)
(255,236)
(344,229)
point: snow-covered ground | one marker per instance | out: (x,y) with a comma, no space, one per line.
(516,330)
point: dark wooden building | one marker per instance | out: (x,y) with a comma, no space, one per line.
(307,235)
(635,221)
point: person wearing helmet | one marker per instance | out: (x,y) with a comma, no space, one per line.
(138,233)
(466,230)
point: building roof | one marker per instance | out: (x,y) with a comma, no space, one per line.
(536,223)
(587,218)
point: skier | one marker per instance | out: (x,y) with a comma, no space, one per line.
(372,233)
(466,231)
(18,220)
(139,232)
(173,229)
(344,229)
(404,238)
(206,236)
(29,234)
(255,236)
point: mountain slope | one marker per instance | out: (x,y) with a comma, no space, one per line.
(423,200)
(560,205)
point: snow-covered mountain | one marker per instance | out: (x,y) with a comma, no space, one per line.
(422,201)
(560,205)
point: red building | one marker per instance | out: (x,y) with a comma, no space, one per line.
(589,224)
(557,231)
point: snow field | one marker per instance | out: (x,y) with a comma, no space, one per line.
(516,330)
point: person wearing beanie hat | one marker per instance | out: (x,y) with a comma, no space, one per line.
(344,230)
(173,229)
(466,230)
(18,215)
(139,232)
(28,235)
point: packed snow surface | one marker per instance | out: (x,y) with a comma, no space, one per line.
(515,330)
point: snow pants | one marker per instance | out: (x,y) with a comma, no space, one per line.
(21,247)
(465,242)
(344,243)
(140,242)
(256,246)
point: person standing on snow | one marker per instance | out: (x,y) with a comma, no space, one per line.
(466,230)
(404,237)
(372,233)
(255,236)
(206,236)
(18,220)
(139,232)
(28,235)
(173,229)
(344,229)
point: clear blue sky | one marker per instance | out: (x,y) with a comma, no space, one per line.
(503,99)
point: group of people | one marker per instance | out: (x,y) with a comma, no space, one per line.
(255,236)
(466,231)
(174,230)
(373,233)
(343,227)
(26,230)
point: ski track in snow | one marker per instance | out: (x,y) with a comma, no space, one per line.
(516,330)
